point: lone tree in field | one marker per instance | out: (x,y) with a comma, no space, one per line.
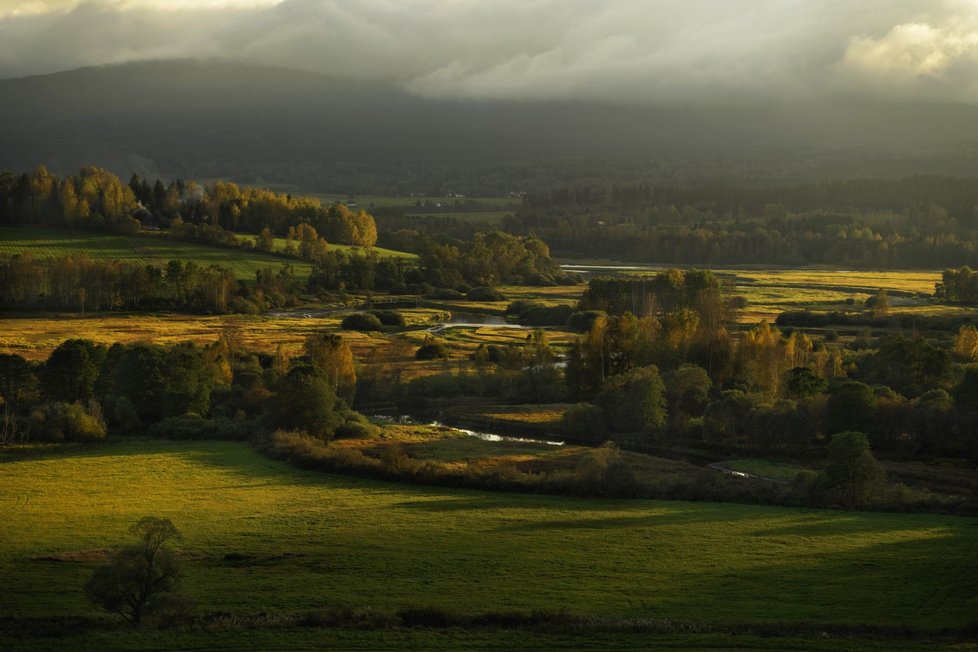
(140,574)
(852,470)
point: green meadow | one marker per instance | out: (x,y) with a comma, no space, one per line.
(144,249)
(155,249)
(302,541)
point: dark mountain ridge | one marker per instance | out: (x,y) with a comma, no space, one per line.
(258,124)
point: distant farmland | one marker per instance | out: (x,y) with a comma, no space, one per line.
(150,249)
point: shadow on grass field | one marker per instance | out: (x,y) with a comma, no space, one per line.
(325,540)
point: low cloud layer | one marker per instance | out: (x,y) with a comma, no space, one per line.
(671,51)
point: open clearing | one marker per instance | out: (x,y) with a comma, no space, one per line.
(311,540)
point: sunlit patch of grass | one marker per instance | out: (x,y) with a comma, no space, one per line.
(765,468)
(540,414)
(279,245)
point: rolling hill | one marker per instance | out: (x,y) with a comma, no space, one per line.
(205,119)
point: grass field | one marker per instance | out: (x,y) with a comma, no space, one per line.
(35,336)
(279,246)
(141,249)
(154,249)
(770,291)
(317,539)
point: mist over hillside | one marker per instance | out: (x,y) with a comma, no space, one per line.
(202,119)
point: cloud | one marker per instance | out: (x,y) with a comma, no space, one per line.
(669,51)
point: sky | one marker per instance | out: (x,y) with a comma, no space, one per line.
(684,52)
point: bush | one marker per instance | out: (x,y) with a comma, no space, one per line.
(485,293)
(585,423)
(446,294)
(84,425)
(543,280)
(389,317)
(431,351)
(520,306)
(542,316)
(67,422)
(582,320)
(361,321)
(357,426)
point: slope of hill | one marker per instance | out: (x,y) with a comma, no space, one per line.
(261,125)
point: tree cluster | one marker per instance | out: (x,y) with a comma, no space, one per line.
(958,286)
(78,283)
(96,199)
(85,390)
(489,259)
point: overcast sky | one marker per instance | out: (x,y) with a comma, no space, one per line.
(662,51)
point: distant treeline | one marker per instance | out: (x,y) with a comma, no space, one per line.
(95,199)
(914,222)
(78,283)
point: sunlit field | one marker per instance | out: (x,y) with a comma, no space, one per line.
(770,291)
(305,540)
(156,249)
(148,249)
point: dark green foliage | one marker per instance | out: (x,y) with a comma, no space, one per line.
(16,379)
(305,401)
(634,401)
(687,391)
(852,471)
(934,424)
(431,350)
(361,321)
(727,419)
(801,382)
(851,405)
(546,316)
(484,293)
(585,423)
(667,292)
(194,426)
(958,286)
(603,472)
(389,317)
(582,320)
(153,382)
(357,272)
(79,283)
(71,370)
(140,576)
(520,306)
(716,224)
(966,392)
(908,365)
